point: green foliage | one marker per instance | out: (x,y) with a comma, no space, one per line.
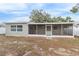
(75,9)
(69,19)
(40,16)
(61,19)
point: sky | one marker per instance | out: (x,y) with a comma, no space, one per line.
(13,12)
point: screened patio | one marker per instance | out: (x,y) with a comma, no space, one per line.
(50,29)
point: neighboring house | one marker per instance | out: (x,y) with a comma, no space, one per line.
(40,29)
(76,29)
(2,29)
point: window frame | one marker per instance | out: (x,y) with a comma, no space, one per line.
(13,29)
(16,28)
(19,29)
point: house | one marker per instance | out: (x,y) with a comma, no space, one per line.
(2,29)
(55,29)
(76,29)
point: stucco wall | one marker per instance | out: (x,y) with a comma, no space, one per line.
(10,33)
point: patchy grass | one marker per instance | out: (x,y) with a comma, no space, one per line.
(38,46)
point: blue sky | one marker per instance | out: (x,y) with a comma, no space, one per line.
(21,11)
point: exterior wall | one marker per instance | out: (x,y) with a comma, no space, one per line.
(26,30)
(10,33)
(76,30)
(2,30)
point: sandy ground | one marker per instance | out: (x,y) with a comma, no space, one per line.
(38,46)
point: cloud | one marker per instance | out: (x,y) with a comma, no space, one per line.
(19,8)
(21,11)
(19,19)
(63,10)
(59,9)
(16,12)
(11,6)
(75,17)
(40,5)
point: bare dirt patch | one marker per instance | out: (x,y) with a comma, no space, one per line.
(38,46)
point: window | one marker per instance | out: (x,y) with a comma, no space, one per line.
(19,27)
(16,28)
(13,27)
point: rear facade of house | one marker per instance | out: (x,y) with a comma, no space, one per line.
(39,29)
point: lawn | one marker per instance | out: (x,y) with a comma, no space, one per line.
(38,46)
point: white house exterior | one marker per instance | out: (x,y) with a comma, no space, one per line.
(43,29)
(9,31)
(2,29)
(76,29)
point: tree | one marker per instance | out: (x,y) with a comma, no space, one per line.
(68,19)
(61,19)
(39,16)
(75,9)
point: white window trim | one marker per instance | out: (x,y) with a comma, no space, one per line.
(16,28)
(19,28)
